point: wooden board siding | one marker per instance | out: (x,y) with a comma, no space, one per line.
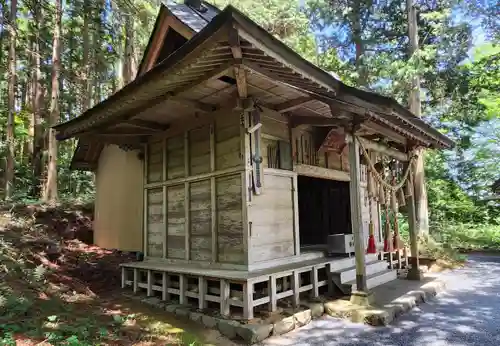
(274,129)
(155,223)
(272,216)
(176,217)
(200,219)
(229,220)
(227,142)
(275,124)
(199,150)
(175,157)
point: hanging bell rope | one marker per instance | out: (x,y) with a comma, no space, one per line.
(377,174)
(394,201)
(401,198)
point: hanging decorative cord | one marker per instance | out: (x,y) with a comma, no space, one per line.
(377,174)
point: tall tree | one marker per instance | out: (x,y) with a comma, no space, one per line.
(51,193)
(129,64)
(9,169)
(415,106)
(36,159)
(86,83)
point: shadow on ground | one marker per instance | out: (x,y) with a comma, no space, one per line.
(467,314)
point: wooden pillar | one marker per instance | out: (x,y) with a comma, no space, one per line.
(296,288)
(414,272)
(361,295)
(248,300)
(135,283)
(224,298)
(202,284)
(149,283)
(124,277)
(272,294)
(314,281)
(165,283)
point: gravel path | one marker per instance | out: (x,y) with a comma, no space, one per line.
(468,313)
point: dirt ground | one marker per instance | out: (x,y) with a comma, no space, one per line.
(58,288)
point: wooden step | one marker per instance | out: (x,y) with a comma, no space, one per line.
(376,279)
(349,274)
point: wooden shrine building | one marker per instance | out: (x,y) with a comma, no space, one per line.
(232,163)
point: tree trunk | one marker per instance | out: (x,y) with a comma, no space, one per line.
(129,65)
(50,193)
(36,159)
(86,90)
(9,169)
(357,38)
(421,204)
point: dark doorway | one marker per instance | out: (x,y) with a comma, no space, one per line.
(324,209)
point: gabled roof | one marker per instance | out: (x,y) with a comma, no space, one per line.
(261,53)
(193,18)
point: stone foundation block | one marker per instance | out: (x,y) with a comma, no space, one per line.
(195,316)
(253,333)
(284,326)
(302,318)
(209,321)
(228,328)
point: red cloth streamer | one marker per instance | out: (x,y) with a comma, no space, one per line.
(371,245)
(387,239)
(371,240)
(396,239)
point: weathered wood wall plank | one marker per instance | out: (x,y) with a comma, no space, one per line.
(175,154)
(200,221)
(196,219)
(176,219)
(229,219)
(155,223)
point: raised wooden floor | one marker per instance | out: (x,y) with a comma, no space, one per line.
(234,288)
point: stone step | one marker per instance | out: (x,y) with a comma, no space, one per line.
(376,279)
(349,274)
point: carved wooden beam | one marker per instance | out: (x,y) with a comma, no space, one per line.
(241,82)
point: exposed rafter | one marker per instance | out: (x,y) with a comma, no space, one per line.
(234,43)
(213,74)
(384,131)
(292,104)
(239,71)
(147,124)
(201,106)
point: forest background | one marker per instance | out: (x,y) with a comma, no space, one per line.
(58,58)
